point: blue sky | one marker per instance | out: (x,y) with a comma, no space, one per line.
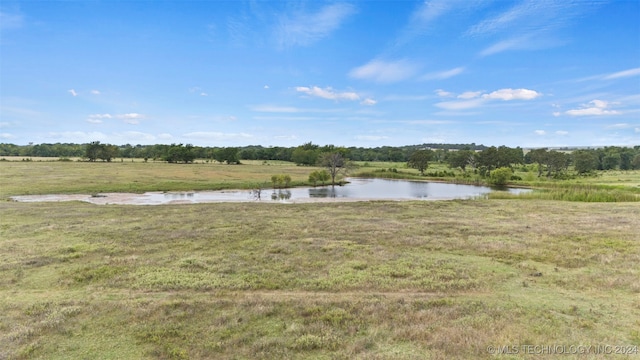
(362,73)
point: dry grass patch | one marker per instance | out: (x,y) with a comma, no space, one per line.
(370,280)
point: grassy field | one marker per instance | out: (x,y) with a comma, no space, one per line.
(53,177)
(366,280)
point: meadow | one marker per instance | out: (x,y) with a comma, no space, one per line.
(360,280)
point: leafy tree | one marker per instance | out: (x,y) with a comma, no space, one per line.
(319,175)
(108,152)
(228,155)
(93,150)
(179,153)
(305,154)
(557,162)
(420,160)
(584,161)
(461,159)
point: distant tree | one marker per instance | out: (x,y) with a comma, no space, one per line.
(306,154)
(635,163)
(227,155)
(108,152)
(611,160)
(557,162)
(460,159)
(334,163)
(584,161)
(419,159)
(93,150)
(179,153)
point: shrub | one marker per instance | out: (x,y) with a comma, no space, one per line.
(500,176)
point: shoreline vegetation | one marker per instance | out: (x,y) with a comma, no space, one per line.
(138,176)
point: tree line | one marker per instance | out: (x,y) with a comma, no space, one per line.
(304,154)
(481,158)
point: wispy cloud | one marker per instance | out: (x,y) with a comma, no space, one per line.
(130,118)
(72,92)
(302,29)
(593,108)
(528,25)
(385,71)
(443,93)
(11,20)
(328,93)
(97,118)
(95,92)
(427,13)
(441,75)
(469,94)
(623,74)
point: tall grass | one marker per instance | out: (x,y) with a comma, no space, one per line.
(573,192)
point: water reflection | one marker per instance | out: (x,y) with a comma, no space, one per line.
(281,195)
(371,189)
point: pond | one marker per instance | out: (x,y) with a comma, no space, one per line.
(356,190)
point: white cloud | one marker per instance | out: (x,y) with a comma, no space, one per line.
(469,94)
(512,94)
(130,116)
(637,129)
(6,136)
(623,74)
(540,132)
(443,74)
(97,118)
(204,94)
(562,132)
(266,87)
(443,93)
(95,92)
(593,108)
(472,99)
(328,93)
(369,102)
(385,71)
(303,29)
(72,92)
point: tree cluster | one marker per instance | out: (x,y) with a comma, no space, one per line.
(104,152)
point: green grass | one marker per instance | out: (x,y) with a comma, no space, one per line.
(370,280)
(88,178)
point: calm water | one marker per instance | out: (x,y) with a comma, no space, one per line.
(373,189)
